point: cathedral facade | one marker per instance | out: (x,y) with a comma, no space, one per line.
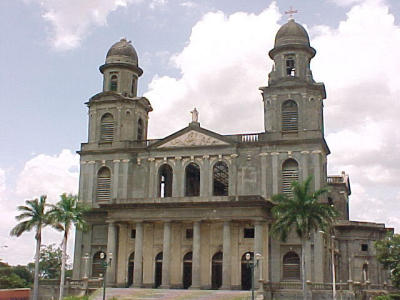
(183,211)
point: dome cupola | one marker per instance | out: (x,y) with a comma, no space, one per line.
(122,51)
(292,33)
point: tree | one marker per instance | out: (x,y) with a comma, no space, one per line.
(66,213)
(302,213)
(14,277)
(50,262)
(35,217)
(388,253)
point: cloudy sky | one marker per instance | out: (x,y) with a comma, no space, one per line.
(211,54)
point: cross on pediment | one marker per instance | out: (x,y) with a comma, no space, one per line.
(291,12)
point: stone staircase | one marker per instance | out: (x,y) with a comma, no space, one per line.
(163,294)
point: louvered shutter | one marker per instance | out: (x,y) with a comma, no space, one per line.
(289,116)
(291,266)
(104,185)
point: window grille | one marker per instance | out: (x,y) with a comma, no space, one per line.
(104,185)
(291,266)
(107,128)
(221,179)
(290,173)
(248,233)
(290,116)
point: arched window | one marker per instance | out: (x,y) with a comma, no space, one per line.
(220,179)
(365,273)
(140,130)
(216,270)
(104,184)
(290,116)
(107,128)
(97,265)
(131,268)
(290,65)
(290,173)
(158,270)
(114,83)
(192,176)
(165,181)
(187,270)
(291,266)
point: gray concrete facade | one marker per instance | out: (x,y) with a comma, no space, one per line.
(175,203)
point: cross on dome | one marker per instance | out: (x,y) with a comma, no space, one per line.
(291,12)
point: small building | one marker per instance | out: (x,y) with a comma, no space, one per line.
(182,211)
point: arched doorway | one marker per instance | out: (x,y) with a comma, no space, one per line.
(187,270)
(291,266)
(246,272)
(97,265)
(216,271)
(131,262)
(158,270)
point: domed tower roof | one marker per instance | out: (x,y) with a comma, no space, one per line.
(292,33)
(122,51)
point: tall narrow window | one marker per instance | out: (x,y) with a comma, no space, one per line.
(290,66)
(192,176)
(104,184)
(220,179)
(107,128)
(114,83)
(290,173)
(291,266)
(140,130)
(290,116)
(165,181)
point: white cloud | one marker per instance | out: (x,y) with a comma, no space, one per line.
(72,20)
(346,2)
(225,61)
(222,67)
(41,175)
(157,3)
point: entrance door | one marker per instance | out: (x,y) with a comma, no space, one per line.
(158,270)
(187,270)
(246,272)
(131,268)
(216,272)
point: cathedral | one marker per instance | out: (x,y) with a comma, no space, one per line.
(183,211)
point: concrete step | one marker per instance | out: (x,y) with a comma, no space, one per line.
(164,294)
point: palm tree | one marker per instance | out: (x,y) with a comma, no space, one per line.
(302,213)
(66,213)
(33,216)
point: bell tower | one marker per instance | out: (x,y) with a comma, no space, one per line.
(117,115)
(293,106)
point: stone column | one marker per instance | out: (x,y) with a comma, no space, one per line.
(166,255)
(125,177)
(111,248)
(205,177)
(275,173)
(263,157)
(226,258)
(138,263)
(115,179)
(91,179)
(77,270)
(304,162)
(258,247)
(196,256)
(152,184)
(233,176)
(177,178)
(318,238)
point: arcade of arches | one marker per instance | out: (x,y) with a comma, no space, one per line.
(184,255)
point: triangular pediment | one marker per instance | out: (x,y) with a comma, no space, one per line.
(193,138)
